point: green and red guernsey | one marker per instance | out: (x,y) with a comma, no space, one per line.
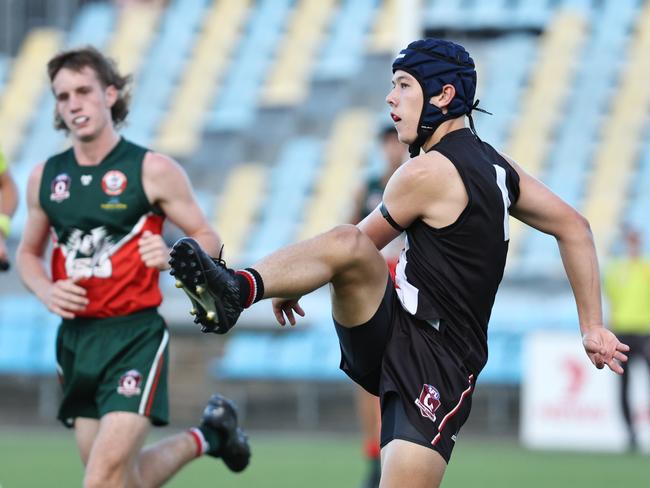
(98,214)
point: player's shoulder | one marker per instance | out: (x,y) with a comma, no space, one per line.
(158,164)
(432,167)
(37,171)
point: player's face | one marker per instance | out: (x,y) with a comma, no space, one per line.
(405,100)
(83,103)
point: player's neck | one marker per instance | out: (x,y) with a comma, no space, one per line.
(93,152)
(443,129)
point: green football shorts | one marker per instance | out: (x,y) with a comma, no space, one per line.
(115,364)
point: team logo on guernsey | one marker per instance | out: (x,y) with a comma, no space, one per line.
(60,188)
(86,179)
(114,182)
(428,402)
(130,383)
(88,254)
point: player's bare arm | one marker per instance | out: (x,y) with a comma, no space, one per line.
(540,208)
(167,185)
(427,187)
(62,297)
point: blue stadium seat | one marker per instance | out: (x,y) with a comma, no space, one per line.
(308,355)
(508,64)
(569,162)
(235,107)
(27,337)
(92,25)
(343,52)
(163,66)
(290,182)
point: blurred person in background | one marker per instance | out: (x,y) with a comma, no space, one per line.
(103,202)
(627,286)
(421,343)
(367,199)
(8,204)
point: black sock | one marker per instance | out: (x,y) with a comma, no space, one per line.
(251,286)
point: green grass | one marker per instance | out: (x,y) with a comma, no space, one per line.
(292,461)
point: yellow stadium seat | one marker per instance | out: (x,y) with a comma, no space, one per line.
(543,99)
(236,208)
(25,86)
(180,130)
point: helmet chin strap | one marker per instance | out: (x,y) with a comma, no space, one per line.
(416,145)
(424,132)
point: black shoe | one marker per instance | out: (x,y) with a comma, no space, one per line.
(210,285)
(220,416)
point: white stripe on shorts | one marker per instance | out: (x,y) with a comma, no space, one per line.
(152,373)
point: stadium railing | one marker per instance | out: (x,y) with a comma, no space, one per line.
(303,361)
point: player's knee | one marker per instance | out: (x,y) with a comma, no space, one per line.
(108,473)
(350,242)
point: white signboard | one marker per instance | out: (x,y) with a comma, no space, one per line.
(568,404)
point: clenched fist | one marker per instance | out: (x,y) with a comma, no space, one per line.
(153,251)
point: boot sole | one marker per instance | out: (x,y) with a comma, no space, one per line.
(190,277)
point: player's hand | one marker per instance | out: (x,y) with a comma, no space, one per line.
(153,251)
(604,348)
(285,307)
(65,297)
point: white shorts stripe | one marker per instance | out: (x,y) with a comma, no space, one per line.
(454,410)
(152,373)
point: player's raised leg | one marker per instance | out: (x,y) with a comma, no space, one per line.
(343,256)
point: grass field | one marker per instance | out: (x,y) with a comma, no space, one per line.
(50,460)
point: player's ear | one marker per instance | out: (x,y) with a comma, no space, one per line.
(111,93)
(444,98)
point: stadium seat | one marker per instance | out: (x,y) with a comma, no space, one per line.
(235,209)
(543,101)
(235,106)
(619,148)
(200,81)
(24,87)
(167,55)
(343,51)
(288,80)
(27,337)
(290,181)
(344,155)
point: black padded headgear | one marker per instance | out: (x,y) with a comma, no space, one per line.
(435,63)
